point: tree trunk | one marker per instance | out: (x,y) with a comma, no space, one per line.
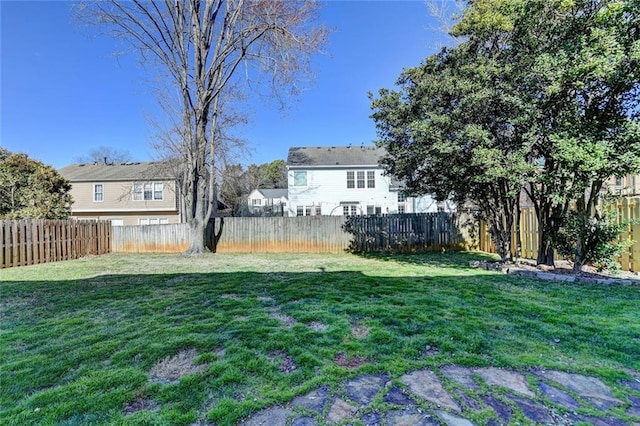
(197,230)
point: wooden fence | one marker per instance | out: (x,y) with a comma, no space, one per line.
(29,242)
(307,234)
(628,211)
(406,232)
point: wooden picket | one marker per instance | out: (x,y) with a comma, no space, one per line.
(29,242)
(628,209)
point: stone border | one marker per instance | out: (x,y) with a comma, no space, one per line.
(514,269)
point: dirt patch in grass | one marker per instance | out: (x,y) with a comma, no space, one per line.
(287,363)
(266,299)
(430,351)
(173,368)
(141,404)
(344,360)
(230,296)
(359,332)
(286,320)
(318,326)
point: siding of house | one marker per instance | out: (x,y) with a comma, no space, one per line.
(327,190)
(118,203)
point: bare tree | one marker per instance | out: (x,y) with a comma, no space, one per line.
(105,154)
(203,48)
(446,13)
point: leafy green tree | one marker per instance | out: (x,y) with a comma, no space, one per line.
(275,174)
(30,189)
(542,95)
(577,68)
(450,131)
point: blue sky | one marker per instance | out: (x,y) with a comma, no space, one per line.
(64,92)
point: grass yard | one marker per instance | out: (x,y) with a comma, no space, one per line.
(162,339)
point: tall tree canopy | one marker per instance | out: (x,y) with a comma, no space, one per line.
(542,96)
(206,50)
(30,189)
(237,183)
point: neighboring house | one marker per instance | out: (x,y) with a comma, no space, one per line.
(628,185)
(270,201)
(346,181)
(126,194)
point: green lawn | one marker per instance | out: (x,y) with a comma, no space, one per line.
(86,341)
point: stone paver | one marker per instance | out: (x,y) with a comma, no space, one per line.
(505,378)
(532,410)
(452,420)
(409,418)
(461,375)
(632,384)
(305,421)
(589,388)
(275,416)
(634,410)
(426,385)
(364,388)
(558,396)
(397,396)
(341,410)
(372,419)
(502,410)
(321,406)
(315,400)
(597,421)
(468,401)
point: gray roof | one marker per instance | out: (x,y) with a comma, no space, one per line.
(116,172)
(334,156)
(274,193)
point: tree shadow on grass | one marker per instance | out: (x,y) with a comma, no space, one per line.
(84,349)
(457,259)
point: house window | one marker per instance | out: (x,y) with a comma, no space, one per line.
(401,208)
(350,210)
(157,191)
(351,180)
(360,179)
(148,191)
(370,209)
(299,210)
(619,181)
(137,191)
(98,192)
(371,179)
(299,178)
(307,211)
(401,197)
(153,221)
(256,201)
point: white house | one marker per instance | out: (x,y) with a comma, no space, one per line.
(346,181)
(268,200)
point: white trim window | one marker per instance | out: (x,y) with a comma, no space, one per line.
(148,191)
(98,192)
(153,221)
(351,180)
(361,179)
(300,178)
(371,179)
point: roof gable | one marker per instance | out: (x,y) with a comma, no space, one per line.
(332,156)
(274,193)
